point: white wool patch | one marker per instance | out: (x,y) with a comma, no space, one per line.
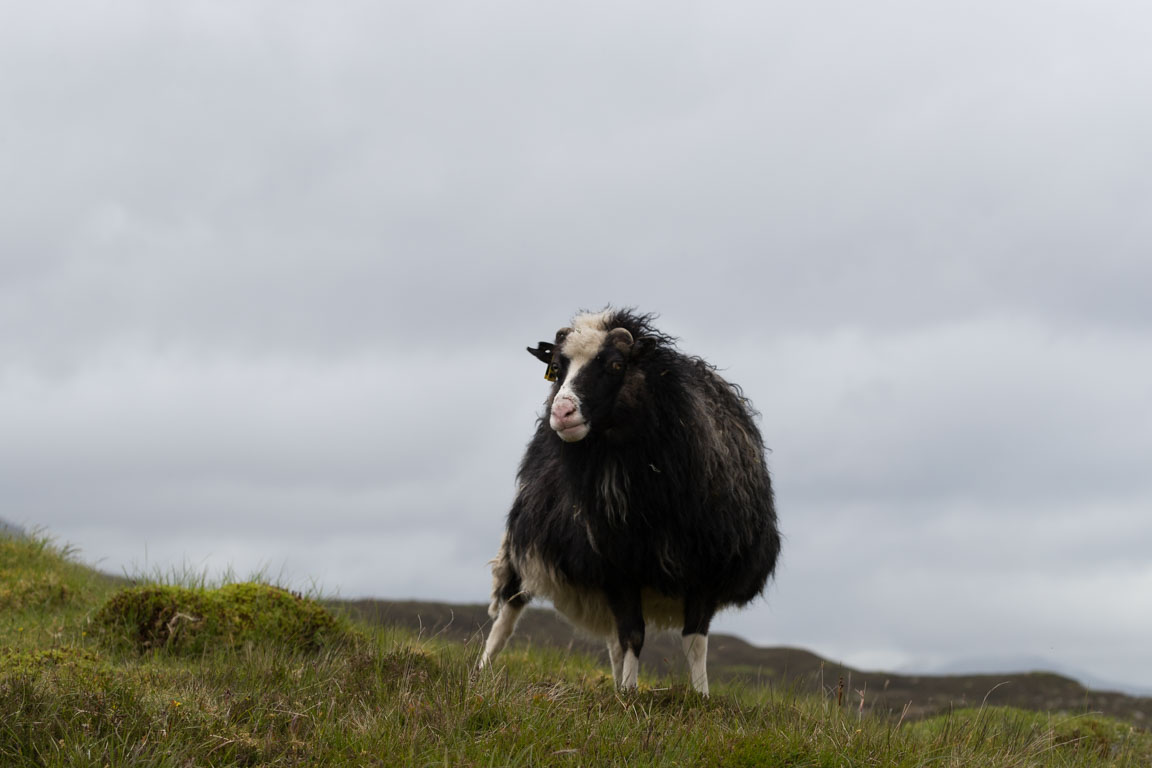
(587,609)
(587,336)
(591,320)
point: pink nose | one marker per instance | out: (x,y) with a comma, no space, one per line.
(564,410)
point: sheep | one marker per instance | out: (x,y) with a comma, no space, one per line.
(643,498)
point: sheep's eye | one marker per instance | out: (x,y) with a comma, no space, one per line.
(617,366)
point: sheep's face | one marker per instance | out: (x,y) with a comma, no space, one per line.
(590,363)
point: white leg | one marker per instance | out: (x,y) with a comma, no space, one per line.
(696,649)
(630,671)
(501,630)
(616,654)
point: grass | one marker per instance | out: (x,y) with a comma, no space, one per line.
(78,688)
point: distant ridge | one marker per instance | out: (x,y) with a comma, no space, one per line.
(732,659)
(997,665)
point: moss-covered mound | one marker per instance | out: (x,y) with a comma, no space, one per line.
(191,621)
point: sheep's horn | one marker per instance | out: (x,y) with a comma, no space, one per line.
(620,337)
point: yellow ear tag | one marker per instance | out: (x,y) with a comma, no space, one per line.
(550,373)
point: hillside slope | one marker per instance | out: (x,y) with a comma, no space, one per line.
(731,659)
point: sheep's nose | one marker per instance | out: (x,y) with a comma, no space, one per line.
(563,408)
(566,419)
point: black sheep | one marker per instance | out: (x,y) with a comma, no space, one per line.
(643,496)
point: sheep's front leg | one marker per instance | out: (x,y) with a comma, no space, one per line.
(508,601)
(616,655)
(502,629)
(627,610)
(696,650)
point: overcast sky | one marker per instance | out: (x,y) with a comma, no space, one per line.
(268,269)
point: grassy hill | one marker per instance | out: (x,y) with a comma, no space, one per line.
(97,672)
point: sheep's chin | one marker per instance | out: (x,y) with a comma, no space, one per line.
(574,433)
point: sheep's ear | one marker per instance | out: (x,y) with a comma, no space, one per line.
(620,338)
(546,353)
(542,352)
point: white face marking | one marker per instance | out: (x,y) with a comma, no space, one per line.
(566,390)
(580,346)
(696,649)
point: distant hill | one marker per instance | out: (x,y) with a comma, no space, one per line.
(997,664)
(730,658)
